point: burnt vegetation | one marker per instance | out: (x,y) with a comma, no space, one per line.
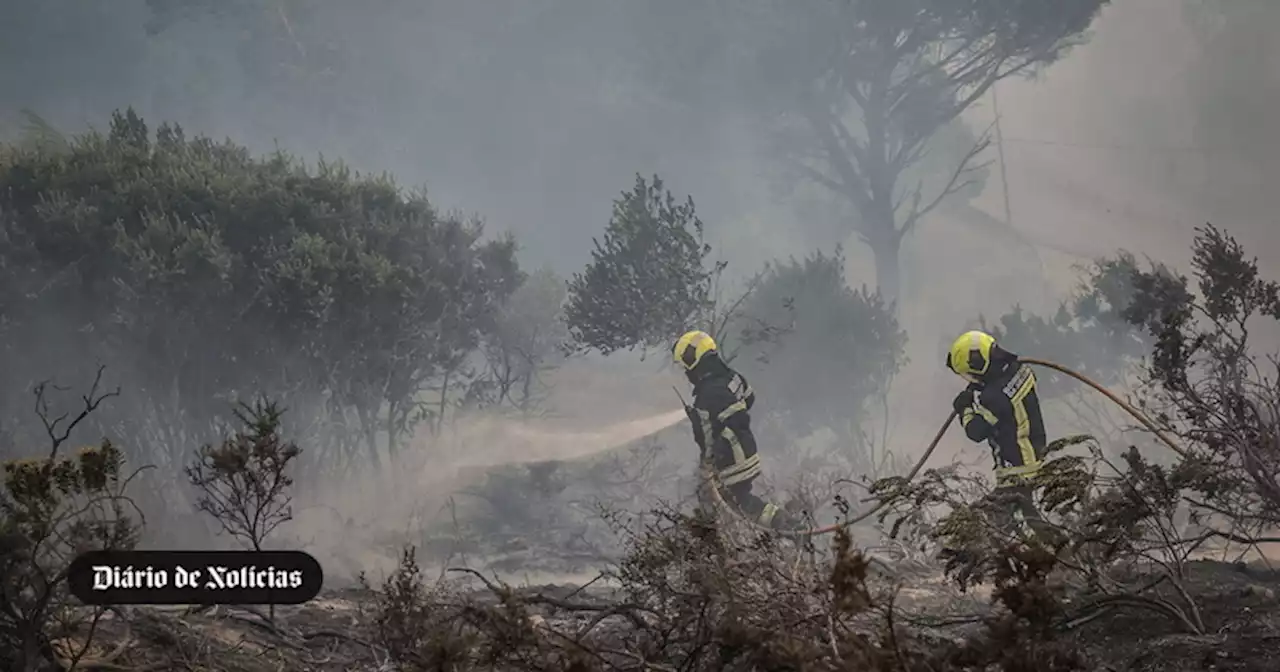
(192,335)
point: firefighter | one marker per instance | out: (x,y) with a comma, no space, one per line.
(720,414)
(1000,406)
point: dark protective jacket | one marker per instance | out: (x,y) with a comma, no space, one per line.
(720,412)
(1005,412)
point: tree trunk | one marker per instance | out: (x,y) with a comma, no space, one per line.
(881,218)
(886,247)
(889,273)
(369,423)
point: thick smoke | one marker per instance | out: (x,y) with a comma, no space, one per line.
(535,115)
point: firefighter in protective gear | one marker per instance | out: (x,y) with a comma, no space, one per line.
(720,414)
(1000,406)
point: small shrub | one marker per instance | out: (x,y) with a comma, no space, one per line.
(52,509)
(244,482)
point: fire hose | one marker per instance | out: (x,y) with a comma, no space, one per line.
(718,496)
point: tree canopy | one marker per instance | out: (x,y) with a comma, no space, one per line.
(858,90)
(203,274)
(890,76)
(647,281)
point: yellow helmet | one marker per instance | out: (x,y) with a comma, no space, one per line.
(970,355)
(692,347)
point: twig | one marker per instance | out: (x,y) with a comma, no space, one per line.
(91,402)
(334,634)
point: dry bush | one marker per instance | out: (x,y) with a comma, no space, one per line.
(1109,535)
(244,482)
(694,593)
(1115,529)
(52,509)
(409,622)
(1208,385)
(548,512)
(518,500)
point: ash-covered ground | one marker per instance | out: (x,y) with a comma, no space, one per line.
(561,543)
(338,631)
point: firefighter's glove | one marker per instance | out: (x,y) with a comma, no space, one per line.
(692,414)
(963,401)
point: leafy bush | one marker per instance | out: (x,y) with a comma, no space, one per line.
(647,282)
(208,274)
(1109,535)
(1089,333)
(839,350)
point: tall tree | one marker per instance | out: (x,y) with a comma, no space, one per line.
(889,75)
(859,89)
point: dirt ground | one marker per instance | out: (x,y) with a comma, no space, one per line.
(1237,602)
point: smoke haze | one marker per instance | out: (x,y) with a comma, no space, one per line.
(535,115)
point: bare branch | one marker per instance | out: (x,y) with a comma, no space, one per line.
(59,435)
(955,183)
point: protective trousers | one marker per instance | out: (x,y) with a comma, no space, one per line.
(739,496)
(748,504)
